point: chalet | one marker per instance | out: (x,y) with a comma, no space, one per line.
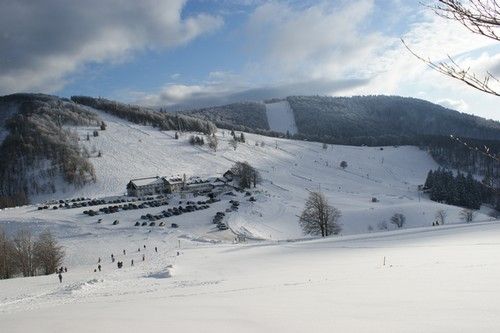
(174,184)
(197,184)
(146,186)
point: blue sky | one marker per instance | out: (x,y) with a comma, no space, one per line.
(181,54)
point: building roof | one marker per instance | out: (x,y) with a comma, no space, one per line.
(139,182)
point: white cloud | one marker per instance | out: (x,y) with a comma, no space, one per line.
(312,42)
(459,105)
(45,41)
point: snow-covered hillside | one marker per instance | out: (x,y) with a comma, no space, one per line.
(289,170)
(281,118)
(201,279)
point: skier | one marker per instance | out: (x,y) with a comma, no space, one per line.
(143,257)
(65,269)
(99,267)
(144,246)
(132,262)
(99,260)
(60,278)
(139,250)
(156,249)
(124,253)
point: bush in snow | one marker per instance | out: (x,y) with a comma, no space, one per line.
(467,215)
(213,142)
(382,225)
(441,216)
(398,220)
(343,164)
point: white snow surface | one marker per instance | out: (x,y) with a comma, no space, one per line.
(280,117)
(436,279)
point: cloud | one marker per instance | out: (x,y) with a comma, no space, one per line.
(42,42)
(181,97)
(323,40)
(459,105)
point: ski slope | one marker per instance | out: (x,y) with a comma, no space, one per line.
(289,170)
(434,280)
(281,118)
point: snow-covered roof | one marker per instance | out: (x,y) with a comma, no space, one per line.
(174,179)
(147,181)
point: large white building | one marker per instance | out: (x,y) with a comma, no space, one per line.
(164,185)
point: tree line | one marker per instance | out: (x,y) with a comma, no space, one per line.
(145,116)
(26,255)
(459,190)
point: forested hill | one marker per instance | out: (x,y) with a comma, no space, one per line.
(375,116)
(370,120)
(39,153)
(239,116)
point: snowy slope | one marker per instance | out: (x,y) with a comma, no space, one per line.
(434,280)
(281,118)
(289,170)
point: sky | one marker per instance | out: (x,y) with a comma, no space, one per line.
(179,54)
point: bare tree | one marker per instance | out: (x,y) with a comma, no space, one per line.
(467,215)
(398,220)
(7,268)
(48,253)
(247,175)
(213,142)
(318,217)
(24,252)
(441,216)
(481,17)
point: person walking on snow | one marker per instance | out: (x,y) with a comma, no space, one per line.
(156,249)
(99,267)
(132,262)
(124,252)
(60,278)
(143,257)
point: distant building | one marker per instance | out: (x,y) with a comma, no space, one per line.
(146,186)
(174,184)
(197,184)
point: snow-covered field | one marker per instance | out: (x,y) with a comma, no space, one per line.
(436,279)
(280,117)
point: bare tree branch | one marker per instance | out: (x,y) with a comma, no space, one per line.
(479,16)
(453,70)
